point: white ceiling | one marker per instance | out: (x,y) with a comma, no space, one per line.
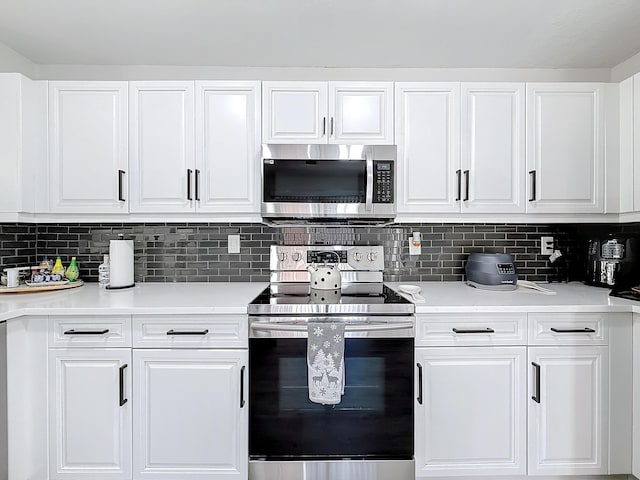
(324,33)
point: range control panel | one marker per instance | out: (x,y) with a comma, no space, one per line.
(383,184)
(368,258)
(506,268)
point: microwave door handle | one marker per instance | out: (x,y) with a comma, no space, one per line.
(369,193)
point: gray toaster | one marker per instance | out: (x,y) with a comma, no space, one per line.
(491,271)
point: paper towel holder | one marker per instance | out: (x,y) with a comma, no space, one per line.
(121,253)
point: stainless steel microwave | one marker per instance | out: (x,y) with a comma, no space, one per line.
(329,182)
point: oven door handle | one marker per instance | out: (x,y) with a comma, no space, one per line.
(288,327)
(369,192)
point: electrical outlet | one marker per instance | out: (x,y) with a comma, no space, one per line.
(233,245)
(546,245)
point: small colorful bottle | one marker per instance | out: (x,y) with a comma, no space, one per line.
(58,269)
(72,272)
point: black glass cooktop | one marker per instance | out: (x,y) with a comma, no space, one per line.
(299,294)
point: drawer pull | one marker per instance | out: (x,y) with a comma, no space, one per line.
(536,369)
(122,399)
(573,330)
(419,383)
(480,330)
(87,332)
(187,332)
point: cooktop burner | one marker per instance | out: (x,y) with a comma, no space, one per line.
(357,299)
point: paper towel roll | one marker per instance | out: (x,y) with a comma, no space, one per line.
(121,263)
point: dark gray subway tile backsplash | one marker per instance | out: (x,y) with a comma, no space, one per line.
(168,252)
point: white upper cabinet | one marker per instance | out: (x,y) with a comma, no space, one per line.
(428,139)
(88,147)
(328,112)
(626,146)
(294,112)
(361,112)
(227,172)
(161,147)
(565,148)
(195,147)
(493,147)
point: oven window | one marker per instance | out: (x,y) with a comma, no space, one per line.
(374,420)
(315,181)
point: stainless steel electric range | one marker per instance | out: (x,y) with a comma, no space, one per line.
(369,434)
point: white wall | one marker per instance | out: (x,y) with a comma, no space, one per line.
(157,72)
(625,69)
(12,62)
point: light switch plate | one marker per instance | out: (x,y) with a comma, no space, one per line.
(233,245)
(546,245)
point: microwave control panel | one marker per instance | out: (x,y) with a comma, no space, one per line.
(384,181)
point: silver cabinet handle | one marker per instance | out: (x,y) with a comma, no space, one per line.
(331,128)
(189,173)
(284,327)
(197,184)
(474,330)
(324,126)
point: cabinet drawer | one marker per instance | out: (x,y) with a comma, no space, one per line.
(568,329)
(471,329)
(90,331)
(199,331)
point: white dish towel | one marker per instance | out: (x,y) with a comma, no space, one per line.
(325,362)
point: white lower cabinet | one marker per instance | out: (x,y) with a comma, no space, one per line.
(636,395)
(190,418)
(89,414)
(568,410)
(471,411)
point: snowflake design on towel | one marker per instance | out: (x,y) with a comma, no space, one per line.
(337,338)
(326,344)
(318,331)
(334,326)
(314,347)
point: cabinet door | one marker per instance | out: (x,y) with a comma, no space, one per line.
(636,395)
(636,142)
(493,147)
(228,147)
(568,410)
(161,146)
(89,420)
(294,112)
(88,147)
(565,148)
(361,112)
(428,138)
(191,417)
(627,179)
(472,419)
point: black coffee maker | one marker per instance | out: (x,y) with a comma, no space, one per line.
(613,262)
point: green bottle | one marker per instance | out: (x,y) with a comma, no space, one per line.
(72,272)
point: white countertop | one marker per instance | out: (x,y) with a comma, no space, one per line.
(144,298)
(232,298)
(443,297)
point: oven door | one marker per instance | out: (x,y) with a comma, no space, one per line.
(373,421)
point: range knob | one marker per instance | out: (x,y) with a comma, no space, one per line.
(296,256)
(357,256)
(282,256)
(371,256)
